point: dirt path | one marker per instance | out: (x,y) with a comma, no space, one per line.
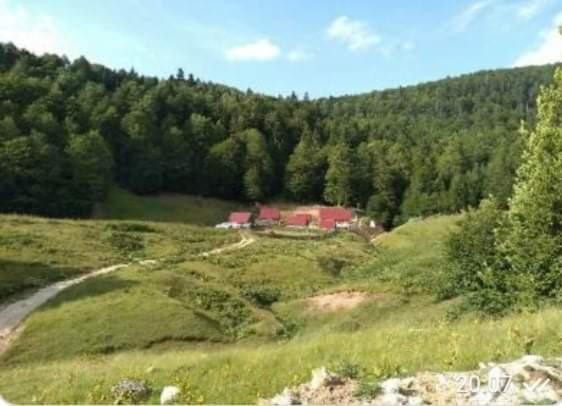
(13,314)
(246,240)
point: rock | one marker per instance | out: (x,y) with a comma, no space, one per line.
(393,399)
(285,398)
(3,402)
(482,398)
(322,377)
(531,359)
(543,396)
(390,386)
(415,401)
(497,380)
(130,391)
(318,378)
(407,387)
(169,395)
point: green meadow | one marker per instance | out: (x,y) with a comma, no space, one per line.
(242,324)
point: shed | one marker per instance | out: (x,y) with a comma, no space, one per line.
(240,219)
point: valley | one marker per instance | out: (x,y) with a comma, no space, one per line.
(242,324)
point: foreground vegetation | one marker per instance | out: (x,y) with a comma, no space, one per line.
(200,323)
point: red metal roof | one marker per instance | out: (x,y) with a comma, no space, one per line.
(240,217)
(269,213)
(327,224)
(299,219)
(337,214)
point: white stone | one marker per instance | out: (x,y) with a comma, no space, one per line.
(3,402)
(546,395)
(285,398)
(531,359)
(482,398)
(391,385)
(415,401)
(497,380)
(319,377)
(393,399)
(169,395)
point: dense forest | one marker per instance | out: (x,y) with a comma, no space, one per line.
(68,130)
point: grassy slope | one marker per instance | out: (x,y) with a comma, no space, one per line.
(123,205)
(35,251)
(403,330)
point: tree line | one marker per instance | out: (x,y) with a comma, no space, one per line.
(70,129)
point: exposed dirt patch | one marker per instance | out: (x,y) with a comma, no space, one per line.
(332,302)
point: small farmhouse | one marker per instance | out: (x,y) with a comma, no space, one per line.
(339,216)
(327,224)
(240,219)
(299,220)
(268,216)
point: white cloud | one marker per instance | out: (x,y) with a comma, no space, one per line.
(299,55)
(531,8)
(36,33)
(355,35)
(262,50)
(466,17)
(548,51)
(407,45)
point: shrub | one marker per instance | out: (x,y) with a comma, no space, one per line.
(347,369)
(132,228)
(126,243)
(479,271)
(262,296)
(331,265)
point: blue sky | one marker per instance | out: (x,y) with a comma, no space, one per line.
(325,47)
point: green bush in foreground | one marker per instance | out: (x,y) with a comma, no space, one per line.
(514,259)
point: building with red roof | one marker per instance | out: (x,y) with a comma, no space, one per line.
(299,220)
(268,216)
(338,214)
(240,219)
(269,213)
(327,224)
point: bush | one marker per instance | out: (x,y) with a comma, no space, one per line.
(132,228)
(262,296)
(126,243)
(479,271)
(331,265)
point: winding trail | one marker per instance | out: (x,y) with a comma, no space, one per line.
(12,315)
(246,240)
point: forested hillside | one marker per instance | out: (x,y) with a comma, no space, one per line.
(68,130)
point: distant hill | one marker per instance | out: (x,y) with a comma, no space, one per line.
(69,130)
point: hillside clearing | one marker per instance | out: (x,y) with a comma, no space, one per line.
(175,208)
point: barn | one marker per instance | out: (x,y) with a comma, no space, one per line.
(339,216)
(327,224)
(299,220)
(268,216)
